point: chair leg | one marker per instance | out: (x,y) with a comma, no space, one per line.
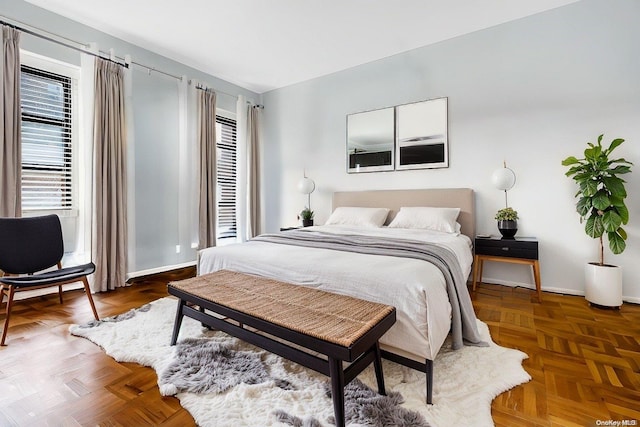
(87,290)
(60,286)
(6,319)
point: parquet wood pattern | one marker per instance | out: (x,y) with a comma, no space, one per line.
(585,362)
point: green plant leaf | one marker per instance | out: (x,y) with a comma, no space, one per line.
(623,212)
(600,139)
(616,243)
(611,221)
(591,153)
(570,161)
(601,200)
(583,176)
(622,233)
(584,206)
(619,170)
(621,161)
(615,186)
(616,200)
(574,170)
(594,227)
(615,143)
(589,187)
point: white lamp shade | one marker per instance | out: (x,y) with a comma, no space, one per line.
(503,179)
(306,185)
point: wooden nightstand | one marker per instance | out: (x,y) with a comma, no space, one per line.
(520,250)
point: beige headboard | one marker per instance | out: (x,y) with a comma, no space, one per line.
(394,199)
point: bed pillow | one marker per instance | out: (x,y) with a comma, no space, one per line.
(361,217)
(427,218)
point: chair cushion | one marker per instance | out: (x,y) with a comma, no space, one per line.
(50,277)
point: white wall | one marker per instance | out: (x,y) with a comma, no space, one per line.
(530,92)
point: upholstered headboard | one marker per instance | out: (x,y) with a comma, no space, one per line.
(394,199)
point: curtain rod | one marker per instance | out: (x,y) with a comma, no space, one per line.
(124,64)
(199,86)
(42,36)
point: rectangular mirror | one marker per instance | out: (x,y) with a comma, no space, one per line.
(370,141)
(422,135)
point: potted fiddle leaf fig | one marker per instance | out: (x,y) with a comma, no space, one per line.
(601,196)
(307,217)
(507,222)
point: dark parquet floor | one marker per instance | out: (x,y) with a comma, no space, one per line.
(585,362)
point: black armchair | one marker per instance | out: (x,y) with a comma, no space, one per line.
(28,246)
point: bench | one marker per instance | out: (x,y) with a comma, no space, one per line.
(342,328)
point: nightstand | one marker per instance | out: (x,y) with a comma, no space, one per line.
(519,250)
(288,228)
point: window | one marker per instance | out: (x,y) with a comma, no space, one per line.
(45,100)
(226,167)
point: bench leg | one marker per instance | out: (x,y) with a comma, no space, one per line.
(429,374)
(178,322)
(204,325)
(337,390)
(377,364)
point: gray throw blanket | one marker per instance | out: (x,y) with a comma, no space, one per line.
(463,319)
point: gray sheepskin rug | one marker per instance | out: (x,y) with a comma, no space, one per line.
(202,365)
(363,406)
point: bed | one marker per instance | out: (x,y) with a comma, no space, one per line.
(422,272)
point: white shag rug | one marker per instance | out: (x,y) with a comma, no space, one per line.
(465,381)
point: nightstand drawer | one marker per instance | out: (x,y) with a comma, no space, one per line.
(526,248)
(288,228)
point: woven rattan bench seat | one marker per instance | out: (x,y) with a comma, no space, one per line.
(338,319)
(340,327)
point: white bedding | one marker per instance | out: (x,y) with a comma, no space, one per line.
(416,288)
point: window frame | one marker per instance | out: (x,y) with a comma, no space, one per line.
(226,118)
(66,125)
(56,67)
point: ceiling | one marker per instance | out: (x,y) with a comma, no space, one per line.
(267,44)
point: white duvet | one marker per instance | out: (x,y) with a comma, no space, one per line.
(416,288)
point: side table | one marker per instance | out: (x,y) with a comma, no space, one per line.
(518,250)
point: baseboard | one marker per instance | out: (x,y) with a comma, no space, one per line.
(555,290)
(157,270)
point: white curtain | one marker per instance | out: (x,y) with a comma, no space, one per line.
(10,117)
(248,204)
(188,185)
(130,163)
(85,153)
(241,169)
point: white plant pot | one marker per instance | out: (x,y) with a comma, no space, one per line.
(603,284)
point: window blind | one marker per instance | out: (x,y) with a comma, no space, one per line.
(226,145)
(45,100)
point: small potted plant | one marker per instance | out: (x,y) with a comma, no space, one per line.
(307,217)
(601,197)
(507,222)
